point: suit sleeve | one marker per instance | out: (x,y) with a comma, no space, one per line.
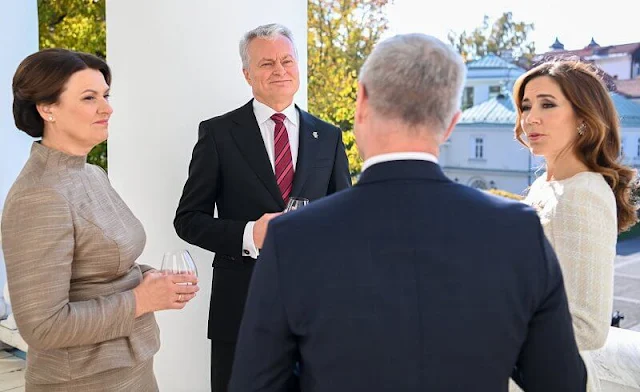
(549,360)
(340,177)
(194,221)
(38,243)
(266,351)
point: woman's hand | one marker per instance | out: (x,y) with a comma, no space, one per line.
(159,291)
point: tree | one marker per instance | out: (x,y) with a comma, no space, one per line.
(341,34)
(76,25)
(503,37)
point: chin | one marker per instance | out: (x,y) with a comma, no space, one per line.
(103,137)
(537,150)
(288,92)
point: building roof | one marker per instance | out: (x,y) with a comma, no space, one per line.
(594,51)
(496,111)
(501,111)
(593,44)
(630,88)
(491,61)
(557,45)
(628,110)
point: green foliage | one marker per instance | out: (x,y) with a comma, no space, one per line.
(73,24)
(355,161)
(501,37)
(341,34)
(76,25)
(98,155)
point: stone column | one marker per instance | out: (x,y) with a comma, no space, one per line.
(18,39)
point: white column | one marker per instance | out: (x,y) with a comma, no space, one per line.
(176,63)
(18,39)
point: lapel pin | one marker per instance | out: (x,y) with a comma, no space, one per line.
(315,134)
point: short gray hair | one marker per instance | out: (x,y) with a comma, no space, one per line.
(268,31)
(414,78)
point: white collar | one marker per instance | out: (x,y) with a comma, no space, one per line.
(264,112)
(399,156)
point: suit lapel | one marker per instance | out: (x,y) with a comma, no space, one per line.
(249,141)
(307,149)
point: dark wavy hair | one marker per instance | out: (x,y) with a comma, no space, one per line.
(599,147)
(41,78)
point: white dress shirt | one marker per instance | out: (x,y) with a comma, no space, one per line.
(399,156)
(267,126)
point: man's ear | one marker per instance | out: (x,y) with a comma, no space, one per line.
(362,100)
(247,77)
(452,125)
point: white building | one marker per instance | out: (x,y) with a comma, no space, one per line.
(475,155)
(487,77)
(482,152)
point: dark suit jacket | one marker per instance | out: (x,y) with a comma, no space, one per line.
(230,167)
(407,282)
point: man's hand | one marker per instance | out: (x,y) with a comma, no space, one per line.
(260,228)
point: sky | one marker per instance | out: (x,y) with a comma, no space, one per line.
(610,22)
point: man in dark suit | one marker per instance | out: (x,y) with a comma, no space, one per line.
(408,281)
(248,163)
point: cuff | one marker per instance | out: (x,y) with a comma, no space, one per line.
(248,246)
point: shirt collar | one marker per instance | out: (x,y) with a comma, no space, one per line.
(399,156)
(264,112)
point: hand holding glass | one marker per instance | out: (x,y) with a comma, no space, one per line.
(178,262)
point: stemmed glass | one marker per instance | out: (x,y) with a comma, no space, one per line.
(178,262)
(296,203)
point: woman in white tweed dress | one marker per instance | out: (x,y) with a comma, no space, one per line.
(565,114)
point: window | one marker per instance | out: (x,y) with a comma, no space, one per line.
(476,147)
(494,91)
(467,98)
(479,148)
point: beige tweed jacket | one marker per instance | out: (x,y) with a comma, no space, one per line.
(70,246)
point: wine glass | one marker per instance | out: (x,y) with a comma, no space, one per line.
(178,262)
(296,203)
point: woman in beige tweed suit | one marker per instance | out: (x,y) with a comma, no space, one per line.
(70,243)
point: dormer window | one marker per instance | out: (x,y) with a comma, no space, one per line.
(467,98)
(494,91)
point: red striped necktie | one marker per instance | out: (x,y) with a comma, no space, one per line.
(283,161)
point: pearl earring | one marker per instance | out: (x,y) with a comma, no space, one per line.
(50,118)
